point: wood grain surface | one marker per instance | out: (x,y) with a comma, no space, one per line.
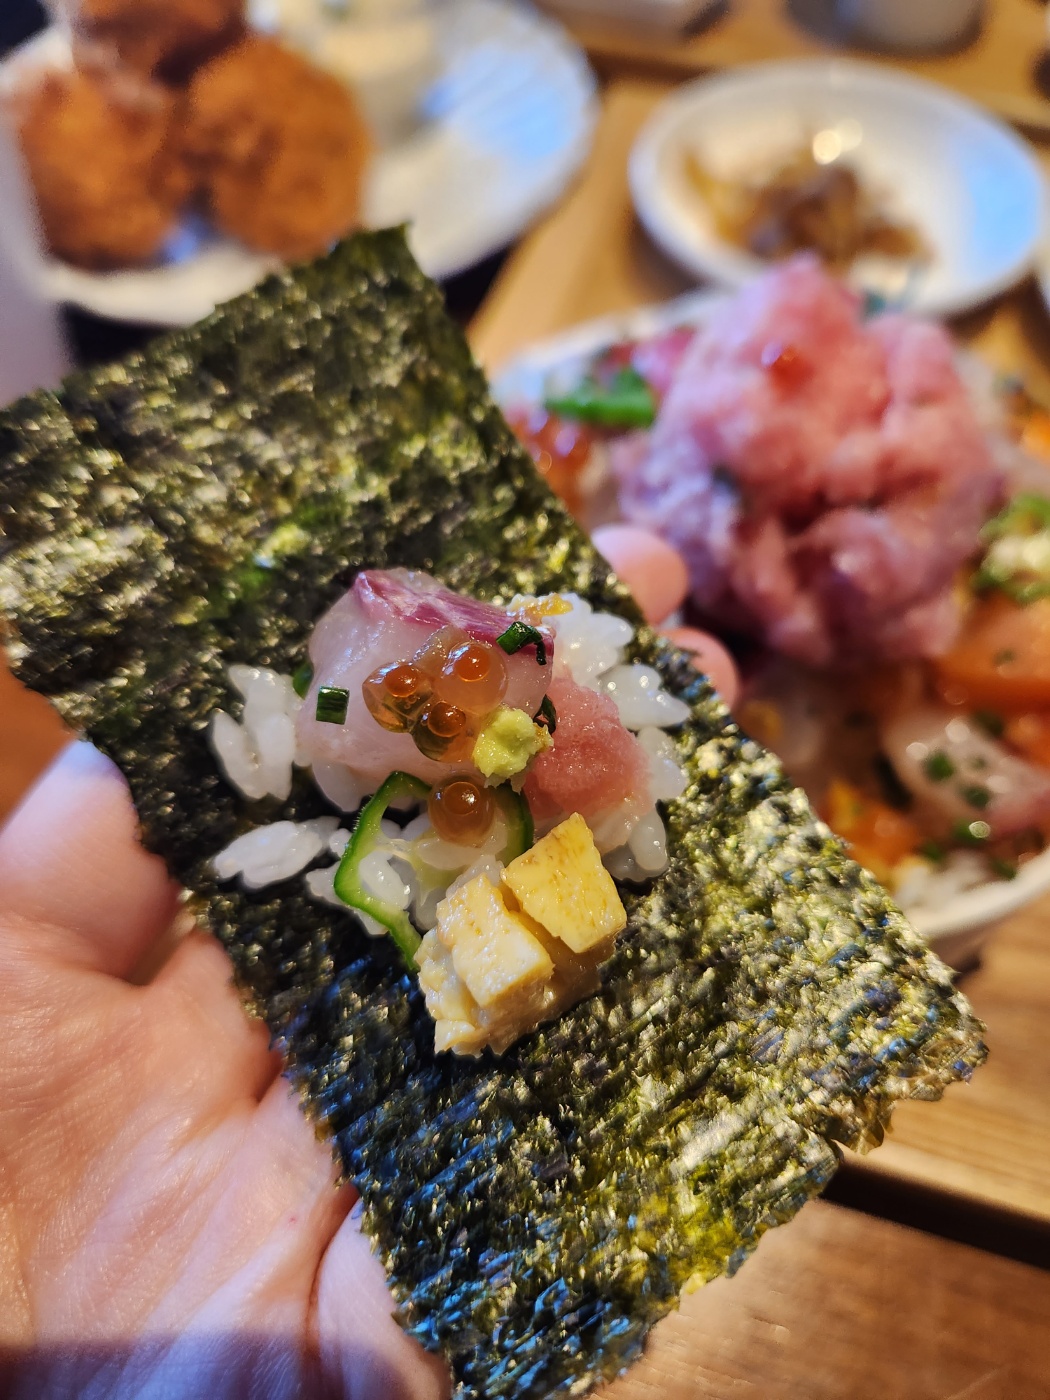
(840,1306)
(996,67)
(988,1141)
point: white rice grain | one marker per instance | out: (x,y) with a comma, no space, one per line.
(667,778)
(257,755)
(588,643)
(381,880)
(641,699)
(648,844)
(268,854)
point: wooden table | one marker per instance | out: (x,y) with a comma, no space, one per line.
(996,68)
(988,1143)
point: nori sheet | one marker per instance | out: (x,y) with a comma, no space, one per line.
(202,503)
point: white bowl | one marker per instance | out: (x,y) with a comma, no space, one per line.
(957,930)
(971,186)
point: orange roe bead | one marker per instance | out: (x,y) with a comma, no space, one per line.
(461,811)
(474,677)
(784,363)
(444,732)
(560,450)
(432,657)
(396,694)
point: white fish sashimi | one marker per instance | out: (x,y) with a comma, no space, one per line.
(386,617)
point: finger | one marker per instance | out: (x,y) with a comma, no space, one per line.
(227,1052)
(652,569)
(261,1229)
(711,657)
(364,1353)
(71,864)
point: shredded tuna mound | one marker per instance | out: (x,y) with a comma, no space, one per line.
(824,477)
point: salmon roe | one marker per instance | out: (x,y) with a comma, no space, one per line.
(559,448)
(474,677)
(444,732)
(461,811)
(396,694)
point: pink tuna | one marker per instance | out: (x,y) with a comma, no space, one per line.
(595,765)
(824,478)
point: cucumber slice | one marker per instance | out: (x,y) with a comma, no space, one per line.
(520,833)
(399,787)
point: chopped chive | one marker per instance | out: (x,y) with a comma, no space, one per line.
(971,833)
(934,852)
(626,401)
(938,766)
(1005,869)
(332,701)
(990,722)
(977,796)
(1004,657)
(546,715)
(520,634)
(301,679)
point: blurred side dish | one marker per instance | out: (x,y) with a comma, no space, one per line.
(176,109)
(864,523)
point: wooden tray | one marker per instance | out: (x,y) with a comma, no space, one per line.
(989,1141)
(996,69)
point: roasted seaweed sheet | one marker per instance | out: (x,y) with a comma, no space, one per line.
(202,503)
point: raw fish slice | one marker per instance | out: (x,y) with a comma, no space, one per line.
(386,617)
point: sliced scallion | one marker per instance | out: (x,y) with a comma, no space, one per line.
(332,702)
(520,634)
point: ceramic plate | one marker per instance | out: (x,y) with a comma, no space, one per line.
(957,929)
(968,183)
(510,121)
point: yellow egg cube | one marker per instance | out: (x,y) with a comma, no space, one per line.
(493,950)
(562,884)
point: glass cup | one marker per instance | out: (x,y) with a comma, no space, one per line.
(911,24)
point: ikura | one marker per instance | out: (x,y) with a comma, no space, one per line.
(461,811)
(474,677)
(444,732)
(441,696)
(559,448)
(396,694)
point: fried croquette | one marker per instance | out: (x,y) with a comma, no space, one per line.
(279,146)
(104,163)
(163,39)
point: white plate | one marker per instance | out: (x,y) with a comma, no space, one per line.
(512,117)
(969,183)
(956,930)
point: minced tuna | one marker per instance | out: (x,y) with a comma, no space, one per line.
(824,477)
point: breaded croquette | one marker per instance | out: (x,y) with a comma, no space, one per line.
(104,163)
(279,146)
(163,39)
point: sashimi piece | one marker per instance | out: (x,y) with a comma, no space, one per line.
(389,616)
(956,771)
(595,765)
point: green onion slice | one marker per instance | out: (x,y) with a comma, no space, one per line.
(546,715)
(626,401)
(520,634)
(332,701)
(302,678)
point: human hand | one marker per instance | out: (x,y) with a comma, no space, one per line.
(169,1224)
